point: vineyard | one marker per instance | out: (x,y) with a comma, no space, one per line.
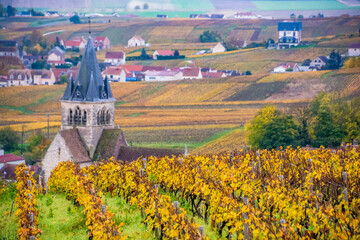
(289,194)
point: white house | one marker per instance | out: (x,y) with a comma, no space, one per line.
(115,58)
(245,15)
(43,77)
(136,41)
(286,67)
(56,56)
(319,62)
(192,73)
(218,48)
(289,34)
(19,77)
(162,53)
(354,50)
(116,74)
(10,159)
(163,76)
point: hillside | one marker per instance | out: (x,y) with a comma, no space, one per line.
(182,5)
(189,112)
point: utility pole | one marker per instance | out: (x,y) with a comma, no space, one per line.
(48,133)
(22,139)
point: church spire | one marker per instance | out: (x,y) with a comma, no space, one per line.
(89,80)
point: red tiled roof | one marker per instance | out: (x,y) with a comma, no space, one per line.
(115,70)
(10,158)
(138,38)
(153,68)
(287,65)
(134,68)
(72,43)
(165,52)
(114,55)
(354,45)
(191,72)
(100,38)
(212,74)
(58,71)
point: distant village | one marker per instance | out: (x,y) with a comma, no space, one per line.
(116,69)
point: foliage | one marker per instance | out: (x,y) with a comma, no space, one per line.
(2,11)
(145,6)
(11,11)
(36,148)
(69,179)
(233,43)
(306,62)
(300,16)
(39,64)
(352,62)
(335,61)
(248,72)
(26,203)
(35,13)
(9,139)
(255,45)
(293,16)
(63,79)
(75,19)
(256,129)
(210,36)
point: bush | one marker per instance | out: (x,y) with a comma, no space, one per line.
(210,36)
(75,19)
(9,139)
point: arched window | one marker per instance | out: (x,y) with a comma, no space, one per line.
(77,116)
(103,116)
(84,118)
(99,118)
(70,119)
(108,117)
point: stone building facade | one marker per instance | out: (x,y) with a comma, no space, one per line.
(87,109)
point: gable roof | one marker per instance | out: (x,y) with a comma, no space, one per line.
(114,55)
(133,68)
(75,145)
(191,72)
(153,68)
(72,43)
(24,73)
(287,65)
(137,38)
(289,26)
(165,52)
(100,38)
(109,144)
(89,85)
(354,45)
(324,59)
(57,51)
(10,158)
(162,73)
(212,74)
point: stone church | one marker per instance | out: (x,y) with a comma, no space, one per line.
(87,130)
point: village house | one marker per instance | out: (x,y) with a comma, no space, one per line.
(115,58)
(117,74)
(10,159)
(217,16)
(19,77)
(319,62)
(286,67)
(43,77)
(3,81)
(245,15)
(52,14)
(9,48)
(209,74)
(354,50)
(160,76)
(289,34)
(136,41)
(101,43)
(74,45)
(162,53)
(29,59)
(218,48)
(192,73)
(56,56)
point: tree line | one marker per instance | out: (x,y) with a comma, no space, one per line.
(327,121)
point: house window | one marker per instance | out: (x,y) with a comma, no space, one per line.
(77,116)
(11,76)
(294,34)
(84,118)
(284,34)
(19,77)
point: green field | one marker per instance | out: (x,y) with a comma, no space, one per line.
(299,5)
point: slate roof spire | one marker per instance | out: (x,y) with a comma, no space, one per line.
(89,85)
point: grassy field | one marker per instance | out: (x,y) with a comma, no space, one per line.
(299,5)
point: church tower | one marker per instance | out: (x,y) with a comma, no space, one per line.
(88,103)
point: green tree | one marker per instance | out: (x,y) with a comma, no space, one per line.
(292,16)
(39,64)
(176,53)
(300,17)
(145,6)
(9,139)
(63,79)
(2,11)
(326,132)
(11,11)
(280,131)
(306,62)
(335,61)
(256,129)
(248,72)
(143,54)
(210,36)
(304,117)
(75,19)
(37,145)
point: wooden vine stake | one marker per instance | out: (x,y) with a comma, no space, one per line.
(202,231)
(245,216)
(345,191)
